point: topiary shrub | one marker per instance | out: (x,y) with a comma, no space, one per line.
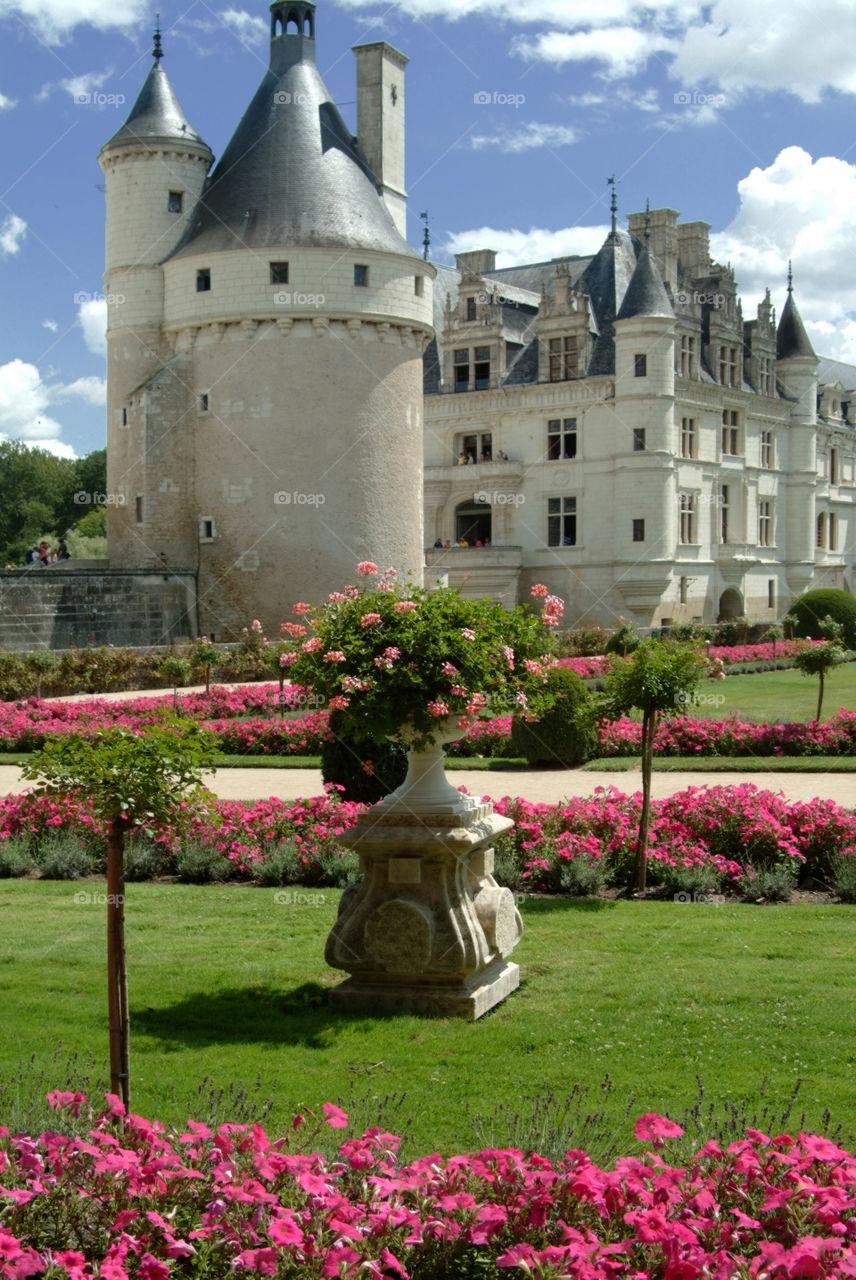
(367,768)
(808,613)
(566,733)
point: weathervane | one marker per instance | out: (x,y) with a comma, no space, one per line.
(157,52)
(426,239)
(613,204)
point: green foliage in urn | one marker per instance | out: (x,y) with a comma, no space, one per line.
(401,658)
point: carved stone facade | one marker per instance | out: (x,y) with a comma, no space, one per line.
(665,459)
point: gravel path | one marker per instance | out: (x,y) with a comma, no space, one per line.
(550,786)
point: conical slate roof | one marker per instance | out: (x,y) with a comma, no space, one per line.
(156,116)
(606,280)
(646,294)
(791,337)
(292,173)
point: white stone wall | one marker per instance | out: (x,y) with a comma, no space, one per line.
(320,285)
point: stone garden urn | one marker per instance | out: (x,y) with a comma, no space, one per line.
(427,929)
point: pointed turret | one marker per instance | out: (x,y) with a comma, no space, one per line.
(646,294)
(791,337)
(156,116)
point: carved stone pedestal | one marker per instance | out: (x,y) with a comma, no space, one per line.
(427,929)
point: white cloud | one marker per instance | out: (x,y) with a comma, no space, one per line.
(12,231)
(54,20)
(528,137)
(91,389)
(80,88)
(805,210)
(249,28)
(50,324)
(92,318)
(800,47)
(514,248)
(6,104)
(24,400)
(621,50)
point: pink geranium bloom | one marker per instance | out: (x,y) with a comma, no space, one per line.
(334,655)
(405,606)
(370,619)
(366,568)
(301,607)
(538,590)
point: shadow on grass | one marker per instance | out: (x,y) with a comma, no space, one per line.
(248,1015)
(545,906)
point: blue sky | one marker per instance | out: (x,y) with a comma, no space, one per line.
(742,115)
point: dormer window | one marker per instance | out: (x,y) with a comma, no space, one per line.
(471,308)
(564,360)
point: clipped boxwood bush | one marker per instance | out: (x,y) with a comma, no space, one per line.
(368,768)
(566,733)
(806,613)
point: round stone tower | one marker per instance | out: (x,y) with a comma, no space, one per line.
(280,436)
(154,170)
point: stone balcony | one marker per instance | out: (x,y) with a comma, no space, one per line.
(477,571)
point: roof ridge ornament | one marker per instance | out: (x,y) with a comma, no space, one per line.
(157,51)
(613,204)
(790,277)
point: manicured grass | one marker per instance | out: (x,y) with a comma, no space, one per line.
(774,695)
(228,984)
(727,764)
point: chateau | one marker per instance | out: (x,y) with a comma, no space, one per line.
(266,327)
(281,363)
(613,427)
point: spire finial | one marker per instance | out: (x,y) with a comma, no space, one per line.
(647,223)
(613,204)
(790,277)
(426,239)
(157,52)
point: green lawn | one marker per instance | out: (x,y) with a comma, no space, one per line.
(775,695)
(228,985)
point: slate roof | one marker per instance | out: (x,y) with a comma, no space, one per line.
(791,337)
(156,115)
(646,294)
(292,173)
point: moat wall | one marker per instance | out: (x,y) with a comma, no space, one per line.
(65,606)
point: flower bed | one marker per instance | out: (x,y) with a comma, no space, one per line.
(130,1198)
(720,836)
(729,655)
(684,736)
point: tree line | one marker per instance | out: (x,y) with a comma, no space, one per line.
(37,495)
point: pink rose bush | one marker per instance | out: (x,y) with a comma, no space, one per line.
(130,1199)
